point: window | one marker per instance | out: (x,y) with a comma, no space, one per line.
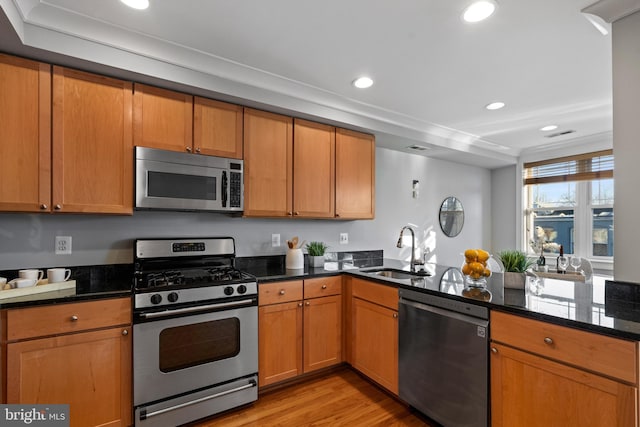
(570,203)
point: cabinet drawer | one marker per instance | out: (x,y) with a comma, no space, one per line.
(322,287)
(608,356)
(277,292)
(386,296)
(56,319)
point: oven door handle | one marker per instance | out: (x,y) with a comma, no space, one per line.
(195,309)
(146,415)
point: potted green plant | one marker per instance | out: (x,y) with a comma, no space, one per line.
(515,264)
(316,253)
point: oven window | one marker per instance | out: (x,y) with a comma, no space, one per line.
(200,343)
(181,186)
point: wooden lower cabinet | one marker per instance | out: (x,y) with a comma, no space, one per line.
(548,375)
(371,330)
(279,342)
(531,391)
(298,335)
(322,332)
(374,350)
(88,369)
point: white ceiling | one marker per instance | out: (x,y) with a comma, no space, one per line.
(433,72)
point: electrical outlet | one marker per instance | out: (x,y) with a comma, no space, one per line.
(275,240)
(63,245)
(344,238)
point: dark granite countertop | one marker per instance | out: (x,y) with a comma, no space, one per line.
(580,305)
(92,282)
(605,307)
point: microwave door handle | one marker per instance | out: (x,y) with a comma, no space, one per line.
(224,189)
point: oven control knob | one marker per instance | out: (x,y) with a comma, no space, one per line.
(242,289)
(156,299)
(228,290)
(172,297)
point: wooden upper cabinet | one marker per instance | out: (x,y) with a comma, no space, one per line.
(217,128)
(355,175)
(92,143)
(268,164)
(25,135)
(313,169)
(162,118)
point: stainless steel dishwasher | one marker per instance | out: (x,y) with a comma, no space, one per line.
(444,358)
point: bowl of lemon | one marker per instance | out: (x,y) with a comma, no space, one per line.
(475,267)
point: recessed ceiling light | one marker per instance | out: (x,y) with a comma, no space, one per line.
(136,4)
(494,105)
(479,10)
(362,82)
(548,128)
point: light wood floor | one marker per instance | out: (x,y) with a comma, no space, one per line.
(341,398)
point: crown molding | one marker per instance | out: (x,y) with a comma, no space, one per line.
(612,10)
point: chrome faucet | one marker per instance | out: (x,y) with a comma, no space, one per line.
(414,262)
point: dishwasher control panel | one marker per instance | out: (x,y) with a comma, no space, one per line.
(445,303)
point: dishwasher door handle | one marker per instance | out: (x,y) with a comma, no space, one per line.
(446,313)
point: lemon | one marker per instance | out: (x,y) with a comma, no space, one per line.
(466,269)
(483,255)
(471,255)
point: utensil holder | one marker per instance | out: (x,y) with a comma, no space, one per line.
(294,259)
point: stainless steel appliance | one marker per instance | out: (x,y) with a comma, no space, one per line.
(181,181)
(444,358)
(195,326)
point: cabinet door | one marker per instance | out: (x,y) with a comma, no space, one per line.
(25,135)
(162,119)
(92,144)
(536,392)
(279,342)
(217,128)
(90,371)
(313,170)
(322,332)
(268,160)
(374,350)
(355,175)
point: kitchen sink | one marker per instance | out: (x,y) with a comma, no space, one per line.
(396,274)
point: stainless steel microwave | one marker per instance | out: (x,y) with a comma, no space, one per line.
(192,182)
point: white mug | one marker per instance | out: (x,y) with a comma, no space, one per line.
(23,283)
(31,274)
(55,275)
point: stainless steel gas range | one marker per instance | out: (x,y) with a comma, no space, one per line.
(195,343)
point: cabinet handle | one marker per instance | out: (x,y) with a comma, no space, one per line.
(74,318)
(125,332)
(43,206)
(324,286)
(296,213)
(548,340)
(57,207)
(299,304)
(395,315)
(337,215)
(198,150)
(281,291)
(494,350)
(289,213)
(307,303)
(188,149)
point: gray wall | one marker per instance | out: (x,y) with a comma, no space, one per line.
(504,188)
(626,132)
(27,240)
